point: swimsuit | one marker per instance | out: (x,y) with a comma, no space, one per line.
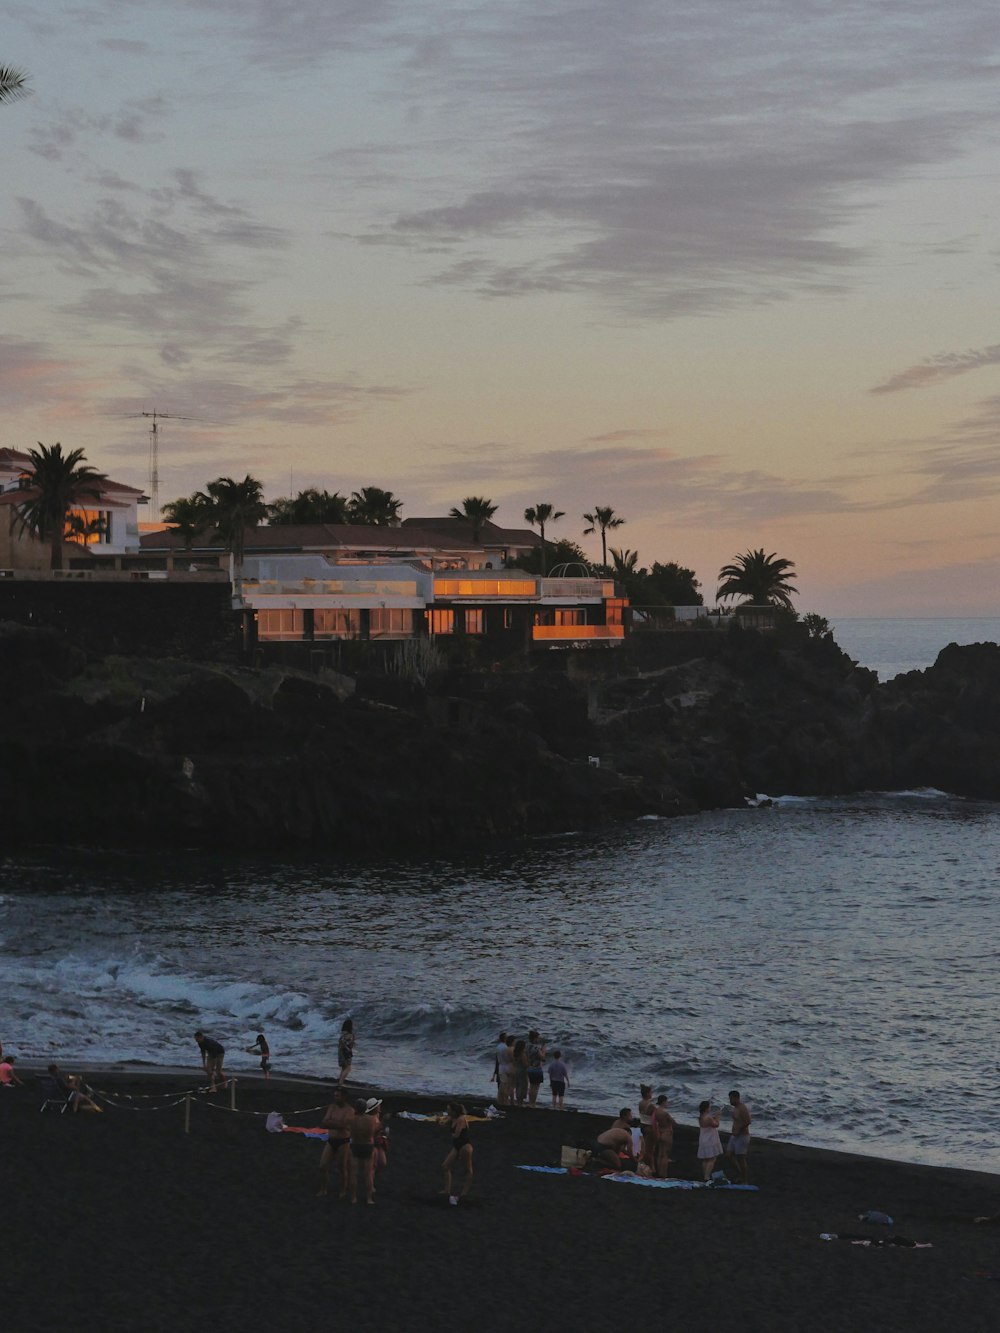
(459,1141)
(337,1144)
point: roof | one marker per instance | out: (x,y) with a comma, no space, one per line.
(319,537)
(14,458)
(490,534)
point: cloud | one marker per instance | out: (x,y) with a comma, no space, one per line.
(34,378)
(61,136)
(936,369)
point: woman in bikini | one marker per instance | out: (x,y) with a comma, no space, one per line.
(461,1150)
(664,1125)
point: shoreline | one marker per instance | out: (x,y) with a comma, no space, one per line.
(128,1217)
(138,1071)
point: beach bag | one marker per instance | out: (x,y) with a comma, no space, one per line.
(574,1157)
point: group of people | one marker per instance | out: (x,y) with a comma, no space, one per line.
(357,1147)
(519,1069)
(648,1152)
(213,1055)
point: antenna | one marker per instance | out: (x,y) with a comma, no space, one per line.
(154,454)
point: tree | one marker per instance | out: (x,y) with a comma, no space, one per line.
(232,507)
(538,515)
(563,552)
(817,626)
(625,567)
(58,482)
(603,519)
(13,83)
(761,580)
(671,585)
(189,516)
(310,506)
(477,510)
(374,507)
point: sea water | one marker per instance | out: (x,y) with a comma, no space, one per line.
(892,646)
(836,960)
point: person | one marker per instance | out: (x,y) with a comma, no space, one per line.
(345,1049)
(709,1143)
(336,1151)
(70,1085)
(363,1147)
(460,1153)
(536,1062)
(505,1060)
(501,1045)
(607,1147)
(664,1125)
(8,1079)
(261,1048)
(520,1060)
(646,1123)
(381,1141)
(213,1054)
(739,1139)
(558,1080)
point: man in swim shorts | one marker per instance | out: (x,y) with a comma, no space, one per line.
(739,1140)
(336,1151)
(536,1061)
(608,1147)
(213,1053)
(363,1128)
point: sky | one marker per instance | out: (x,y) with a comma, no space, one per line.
(728,267)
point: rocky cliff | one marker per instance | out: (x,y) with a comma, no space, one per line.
(170,753)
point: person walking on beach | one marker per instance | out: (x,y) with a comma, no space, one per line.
(709,1143)
(336,1151)
(739,1140)
(664,1125)
(536,1062)
(505,1060)
(460,1153)
(363,1147)
(608,1147)
(558,1080)
(213,1054)
(345,1050)
(261,1048)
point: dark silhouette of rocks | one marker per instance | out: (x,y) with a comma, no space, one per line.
(160,752)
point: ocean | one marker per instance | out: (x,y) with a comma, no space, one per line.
(892,647)
(834,959)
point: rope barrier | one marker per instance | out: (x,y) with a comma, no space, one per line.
(121,1106)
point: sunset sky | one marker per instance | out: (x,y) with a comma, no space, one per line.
(729,266)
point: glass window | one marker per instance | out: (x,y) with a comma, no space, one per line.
(336,624)
(442,622)
(394,621)
(474,620)
(283,624)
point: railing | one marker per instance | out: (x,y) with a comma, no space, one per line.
(568,633)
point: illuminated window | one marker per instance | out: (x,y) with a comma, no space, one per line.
(474,620)
(336,624)
(484,587)
(284,624)
(442,622)
(566,616)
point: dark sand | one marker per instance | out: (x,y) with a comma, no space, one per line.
(121,1222)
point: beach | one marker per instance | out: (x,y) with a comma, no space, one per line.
(122,1221)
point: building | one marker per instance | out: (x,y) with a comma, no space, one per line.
(99,534)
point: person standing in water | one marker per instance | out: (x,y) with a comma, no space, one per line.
(536,1063)
(345,1050)
(558,1080)
(461,1150)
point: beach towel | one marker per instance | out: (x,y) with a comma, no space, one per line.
(648,1182)
(547,1170)
(439,1117)
(314,1132)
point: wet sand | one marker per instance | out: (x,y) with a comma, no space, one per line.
(121,1221)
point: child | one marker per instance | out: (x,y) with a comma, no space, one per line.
(261,1048)
(558,1080)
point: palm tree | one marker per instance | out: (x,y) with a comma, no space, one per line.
(761,580)
(188,516)
(13,83)
(625,566)
(603,519)
(58,482)
(232,507)
(374,507)
(477,510)
(541,514)
(309,506)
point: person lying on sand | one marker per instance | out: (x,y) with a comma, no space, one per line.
(608,1147)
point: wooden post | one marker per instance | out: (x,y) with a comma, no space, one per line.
(232,1094)
(187,1113)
